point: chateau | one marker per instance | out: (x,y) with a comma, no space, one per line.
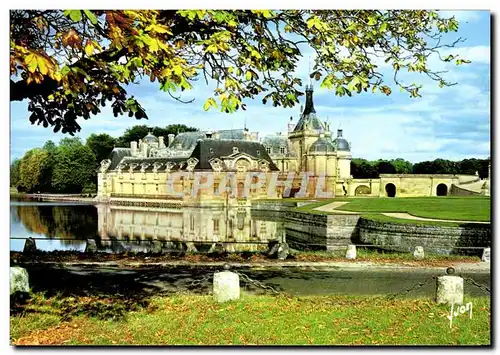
(142,172)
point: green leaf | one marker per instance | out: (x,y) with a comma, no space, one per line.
(65,70)
(90,16)
(383,27)
(372,21)
(74,15)
(462,61)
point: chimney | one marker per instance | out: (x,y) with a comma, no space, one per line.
(170,139)
(339,133)
(133,148)
(161,142)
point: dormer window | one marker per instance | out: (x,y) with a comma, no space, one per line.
(235,150)
(211,150)
(258,153)
(282,150)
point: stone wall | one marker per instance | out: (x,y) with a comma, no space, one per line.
(458,191)
(435,239)
(320,231)
(272,205)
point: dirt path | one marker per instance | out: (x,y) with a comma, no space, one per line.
(330,207)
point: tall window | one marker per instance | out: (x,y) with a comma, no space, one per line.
(216,225)
(216,187)
(268,150)
(282,150)
(191,224)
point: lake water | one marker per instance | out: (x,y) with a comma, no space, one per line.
(67,226)
(63,226)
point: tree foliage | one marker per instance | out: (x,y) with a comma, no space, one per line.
(70,63)
(363,169)
(402,166)
(140,131)
(101,145)
(15,173)
(33,170)
(74,167)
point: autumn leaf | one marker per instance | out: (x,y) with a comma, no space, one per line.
(31,61)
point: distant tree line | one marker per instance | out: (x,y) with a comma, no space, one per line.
(71,166)
(364,169)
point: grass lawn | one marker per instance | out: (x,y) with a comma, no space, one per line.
(458,208)
(452,208)
(257,320)
(383,218)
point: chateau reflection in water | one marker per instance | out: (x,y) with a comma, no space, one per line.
(197,228)
(124,228)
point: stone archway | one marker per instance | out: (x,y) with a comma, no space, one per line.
(390,190)
(442,190)
(362,190)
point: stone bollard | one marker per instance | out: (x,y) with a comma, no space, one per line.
(91,246)
(283,251)
(156,247)
(217,249)
(226,286)
(351,252)
(486,255)
(190,248)
(19,281)
(273,248)
(418,253)
(450,289)
(29,246)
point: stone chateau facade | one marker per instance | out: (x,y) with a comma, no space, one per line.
(235,157)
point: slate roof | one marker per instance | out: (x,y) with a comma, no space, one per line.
(275,142)
(340,143)
(231,133)
(308,116)
(186,140)
(322,145)
(150,138)
(204,151)
(116,156)
(208,149)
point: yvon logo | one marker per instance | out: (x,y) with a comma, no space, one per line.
(459,310)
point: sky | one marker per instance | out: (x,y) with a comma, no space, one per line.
(449,123)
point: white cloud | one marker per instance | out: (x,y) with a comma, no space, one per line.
(462,16)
